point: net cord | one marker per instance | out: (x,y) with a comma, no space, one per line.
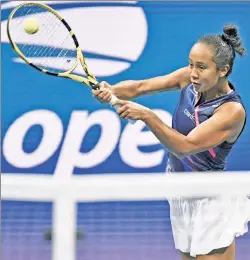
(124,186)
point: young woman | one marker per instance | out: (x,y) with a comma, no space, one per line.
(207,122)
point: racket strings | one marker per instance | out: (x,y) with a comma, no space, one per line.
(19,37)
(52,47)
(48,50)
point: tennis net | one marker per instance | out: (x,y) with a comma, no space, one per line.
(103,217)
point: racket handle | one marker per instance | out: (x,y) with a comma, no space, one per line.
(114,98)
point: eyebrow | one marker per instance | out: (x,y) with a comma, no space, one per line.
(199,62)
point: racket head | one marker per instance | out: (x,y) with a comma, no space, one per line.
(53,49)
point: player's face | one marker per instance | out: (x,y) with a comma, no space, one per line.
(202,68)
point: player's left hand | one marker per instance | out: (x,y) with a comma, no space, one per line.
(131,110)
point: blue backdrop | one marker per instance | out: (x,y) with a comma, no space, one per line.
(54,125)
(51,124)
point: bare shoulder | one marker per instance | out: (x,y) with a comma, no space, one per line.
(233,111)
(233,115)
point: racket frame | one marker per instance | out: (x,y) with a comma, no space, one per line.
(89,81)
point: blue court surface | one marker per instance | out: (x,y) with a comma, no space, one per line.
(110,231)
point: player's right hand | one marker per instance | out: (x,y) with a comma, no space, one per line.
(104,93)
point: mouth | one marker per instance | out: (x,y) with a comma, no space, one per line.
(195,84)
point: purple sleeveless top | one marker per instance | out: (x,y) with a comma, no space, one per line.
(186,117)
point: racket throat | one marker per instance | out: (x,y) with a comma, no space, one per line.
(92,84)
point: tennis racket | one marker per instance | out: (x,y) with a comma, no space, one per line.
(51,48)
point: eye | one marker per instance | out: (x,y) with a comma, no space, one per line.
(191,65)
(202,67)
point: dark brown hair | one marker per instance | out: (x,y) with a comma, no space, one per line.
(225,46)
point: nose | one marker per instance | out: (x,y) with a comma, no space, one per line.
(194,73)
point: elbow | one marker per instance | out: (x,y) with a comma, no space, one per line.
(184,150)
(177,153)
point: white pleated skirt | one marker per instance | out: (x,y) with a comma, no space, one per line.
(202,225)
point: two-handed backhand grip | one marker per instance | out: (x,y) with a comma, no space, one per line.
(113,98)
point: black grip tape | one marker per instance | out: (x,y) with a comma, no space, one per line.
(96,86)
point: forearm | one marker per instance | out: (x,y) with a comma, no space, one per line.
(127,89)
(174,141)
(133,88)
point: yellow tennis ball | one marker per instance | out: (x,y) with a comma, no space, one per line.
(31,25)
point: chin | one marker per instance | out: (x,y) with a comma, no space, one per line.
(201,88)
(198,88)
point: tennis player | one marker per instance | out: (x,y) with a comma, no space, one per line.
(206,124)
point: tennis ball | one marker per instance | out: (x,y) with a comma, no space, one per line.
(31,25)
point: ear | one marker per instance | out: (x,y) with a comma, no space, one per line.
(224,70)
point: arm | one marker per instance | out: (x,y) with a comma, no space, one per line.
(209,134)
(217,129)
(134,88)
(130,89)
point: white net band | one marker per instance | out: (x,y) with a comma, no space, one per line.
(124,186)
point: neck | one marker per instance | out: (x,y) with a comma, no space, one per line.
(221,89)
